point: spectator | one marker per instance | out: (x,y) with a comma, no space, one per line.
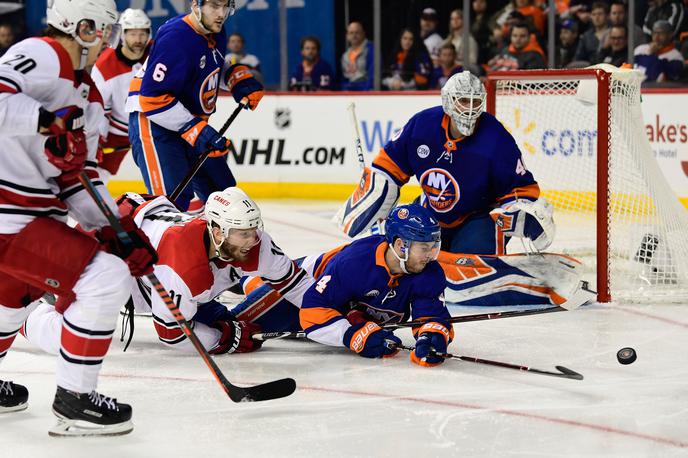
(313,73)
(357,60)
(455,38)
(579,10)
(591,41)
(522,53)
(480,29)
(671,11)
(659,60)
(617,51)
(428,33)
(6,38)
(618,16)
(568,43)
(446,68)
(532,13)
(236,55)
(409,65)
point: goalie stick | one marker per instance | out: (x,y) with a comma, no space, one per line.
(573,303)
(201,159)
(357,136)
(563,372)
(264,392)
(410,324)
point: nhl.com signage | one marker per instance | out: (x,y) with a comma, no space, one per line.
(308,140)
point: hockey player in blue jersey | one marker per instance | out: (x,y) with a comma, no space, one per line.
(382,280)
(471,172)
(174,94)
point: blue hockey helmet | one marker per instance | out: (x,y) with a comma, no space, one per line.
(411,223)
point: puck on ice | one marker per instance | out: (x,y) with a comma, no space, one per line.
(626,355)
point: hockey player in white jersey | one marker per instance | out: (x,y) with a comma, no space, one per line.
(201,257)
(48,132)
(112,74)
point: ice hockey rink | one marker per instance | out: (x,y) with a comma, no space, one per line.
(345,405)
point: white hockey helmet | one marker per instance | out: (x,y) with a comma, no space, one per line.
(96,16)
(463,99)
(134,19)
(232,209)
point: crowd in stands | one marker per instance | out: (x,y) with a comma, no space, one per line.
(509,35)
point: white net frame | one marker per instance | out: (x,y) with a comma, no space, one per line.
(582,136)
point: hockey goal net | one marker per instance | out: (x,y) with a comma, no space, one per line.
(582,136)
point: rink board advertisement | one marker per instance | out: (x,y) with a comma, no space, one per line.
(303,145)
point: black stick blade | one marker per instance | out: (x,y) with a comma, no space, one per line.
(272,390)
(569,373)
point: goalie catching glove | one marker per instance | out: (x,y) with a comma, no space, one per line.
(526,219)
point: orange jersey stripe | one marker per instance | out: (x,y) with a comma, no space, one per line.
(156,102)
(386,163)
(154,171)
(316,315)
(531,190)
(327,257)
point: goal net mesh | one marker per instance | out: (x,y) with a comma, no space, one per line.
(556,123)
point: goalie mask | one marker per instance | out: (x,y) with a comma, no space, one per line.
(96,18)
(237,216)
(463,100)
(419,232)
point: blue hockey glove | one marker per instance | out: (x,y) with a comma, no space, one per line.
(431,337)
(371,341)
(199,134)
(244,86)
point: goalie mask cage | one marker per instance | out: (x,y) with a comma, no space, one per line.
(582,135)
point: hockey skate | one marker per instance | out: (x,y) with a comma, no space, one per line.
(13,397)
(89,414)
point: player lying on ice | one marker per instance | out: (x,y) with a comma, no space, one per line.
(49,113)
(474,181)
(199,258)
(381,280)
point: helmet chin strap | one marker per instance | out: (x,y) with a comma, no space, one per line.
(402,262)
(199,19)
(217,246)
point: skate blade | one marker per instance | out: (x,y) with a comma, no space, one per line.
(80,428)
(16,408)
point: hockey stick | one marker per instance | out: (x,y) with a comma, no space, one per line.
(408,324)
(271,390)
(357,135)
(563,372)
(201,159)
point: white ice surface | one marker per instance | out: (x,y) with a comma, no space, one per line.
(347,406)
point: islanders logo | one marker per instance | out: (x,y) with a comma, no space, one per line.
(441,189)
(403,213)
(207,95)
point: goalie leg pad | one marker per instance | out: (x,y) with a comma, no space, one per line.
(372,200)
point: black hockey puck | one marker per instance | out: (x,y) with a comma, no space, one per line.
(626,355)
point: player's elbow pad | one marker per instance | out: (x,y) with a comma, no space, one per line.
(372,200)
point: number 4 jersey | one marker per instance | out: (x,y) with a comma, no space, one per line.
(457,177)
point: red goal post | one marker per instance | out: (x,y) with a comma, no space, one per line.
(626,198)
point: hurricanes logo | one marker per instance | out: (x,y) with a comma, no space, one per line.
(208,92)
(441,189)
